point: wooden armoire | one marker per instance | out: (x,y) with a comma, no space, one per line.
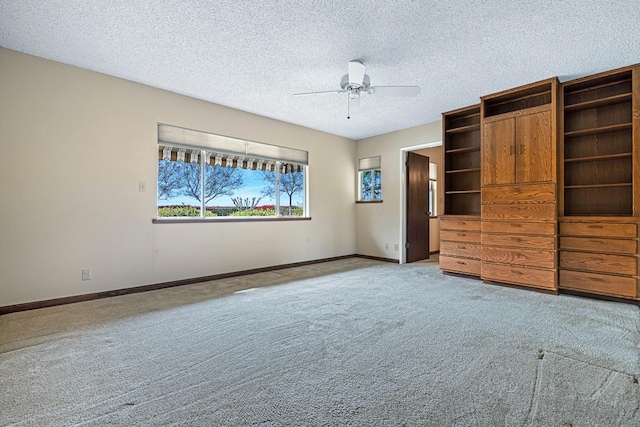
(542,186)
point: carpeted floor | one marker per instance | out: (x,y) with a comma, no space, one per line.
(352,342)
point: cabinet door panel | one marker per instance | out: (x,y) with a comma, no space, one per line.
(534,161)
(499,156)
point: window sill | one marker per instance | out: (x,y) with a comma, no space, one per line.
(368,201)
(179,220)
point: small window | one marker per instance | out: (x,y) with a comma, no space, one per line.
(370,179)
(433,189)
(227,177)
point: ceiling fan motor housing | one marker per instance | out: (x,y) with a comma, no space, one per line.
(353,88)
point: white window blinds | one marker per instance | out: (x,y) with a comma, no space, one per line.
(369,163)
(225,151)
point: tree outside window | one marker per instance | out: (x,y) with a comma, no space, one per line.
(370,185)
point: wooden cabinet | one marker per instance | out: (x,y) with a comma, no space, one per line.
(518,149)
(599,255)
(518,195)
(460,244)
(598,142)
(600,183)
(547,179)
(460,224)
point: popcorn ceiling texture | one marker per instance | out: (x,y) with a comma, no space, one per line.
(252,55)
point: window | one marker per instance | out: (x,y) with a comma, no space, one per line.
(206,175)
(370,179)
(433,189)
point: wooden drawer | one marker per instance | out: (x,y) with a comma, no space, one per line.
(460,236)
(531,242)
(467,250)
(604,263)
(520,193)
(519,257)
(532,277)
(594,244)
(460,265)
(459,224)
(519,227)
(523,211)
(598,283)
(597,229)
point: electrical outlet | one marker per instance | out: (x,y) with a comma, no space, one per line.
(86,274)
(142,186)
(395,247)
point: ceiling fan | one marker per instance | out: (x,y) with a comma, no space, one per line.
(357,82)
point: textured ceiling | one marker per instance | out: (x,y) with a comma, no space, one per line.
(252,55)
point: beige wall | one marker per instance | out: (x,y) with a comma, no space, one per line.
(379,223)
(73,146)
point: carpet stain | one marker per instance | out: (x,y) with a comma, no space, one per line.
(535,394)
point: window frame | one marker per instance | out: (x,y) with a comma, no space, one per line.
(205,158)
(371,165)
(361,173)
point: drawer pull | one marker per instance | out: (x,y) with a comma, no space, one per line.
(595,242)
(461,263)
(519,273)
(594,226)
(517,239)
(596,279)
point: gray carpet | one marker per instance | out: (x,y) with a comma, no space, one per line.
(352,342)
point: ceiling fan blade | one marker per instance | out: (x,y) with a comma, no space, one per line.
(316,93)
(356,72)
(394,90)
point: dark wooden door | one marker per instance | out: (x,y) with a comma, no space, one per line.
(499,152)
(417,207)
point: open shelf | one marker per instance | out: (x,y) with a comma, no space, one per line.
(463,192)
(598,145)
(533,95)
(597,130)
(461,140)
(463,150)
(620,184)
(598,158)
(464,129)
(470,170)
(609,100)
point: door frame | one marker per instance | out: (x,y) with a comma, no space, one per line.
(403,195)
